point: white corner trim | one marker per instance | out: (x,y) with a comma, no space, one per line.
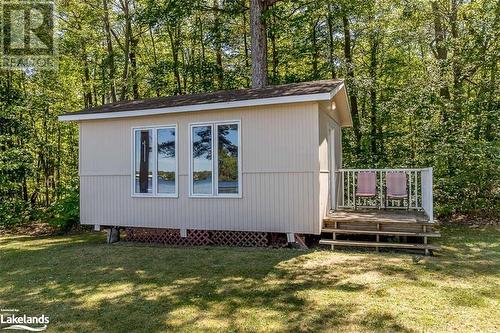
(203,107)
(336,90)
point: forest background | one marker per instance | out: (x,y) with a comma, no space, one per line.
(422,80)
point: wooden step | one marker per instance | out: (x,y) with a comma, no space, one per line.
(375,232)
(377,244)
(377,220)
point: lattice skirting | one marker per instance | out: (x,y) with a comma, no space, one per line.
(205,237)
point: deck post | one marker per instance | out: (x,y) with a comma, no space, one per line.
(424,227)
(426,193)
(381,197)
(334,234)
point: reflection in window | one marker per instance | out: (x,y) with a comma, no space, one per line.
(143,161)
(202,159)
(227,139)
(166,161)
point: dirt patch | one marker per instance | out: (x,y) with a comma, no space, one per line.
(29,229)
(40,229)
(474,220)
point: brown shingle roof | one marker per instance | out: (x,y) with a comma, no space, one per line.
(305,88)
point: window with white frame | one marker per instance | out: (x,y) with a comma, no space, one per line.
(215,162)
(155,161)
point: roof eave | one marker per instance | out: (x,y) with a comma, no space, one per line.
(204,107)
(349,122)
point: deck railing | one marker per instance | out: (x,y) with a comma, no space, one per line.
(419,186)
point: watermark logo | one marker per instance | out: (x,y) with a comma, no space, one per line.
(11,320)
(28,35)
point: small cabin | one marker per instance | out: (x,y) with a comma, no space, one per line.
(238,163)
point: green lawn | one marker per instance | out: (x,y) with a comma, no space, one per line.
(84,285)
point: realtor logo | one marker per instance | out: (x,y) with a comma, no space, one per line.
(28,35)
(11,320)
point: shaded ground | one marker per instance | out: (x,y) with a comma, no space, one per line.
(84,285)
(28,229)
(474,220)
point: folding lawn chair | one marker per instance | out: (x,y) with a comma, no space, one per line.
(396,188)
(366,186)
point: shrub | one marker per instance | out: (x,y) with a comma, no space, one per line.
(65,212)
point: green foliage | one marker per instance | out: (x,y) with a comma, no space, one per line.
(13,211)
(228,167)
(15,167)
(65,212)
(468,177)
(426,97)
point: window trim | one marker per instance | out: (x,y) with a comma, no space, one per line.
(215,159)
(155,193)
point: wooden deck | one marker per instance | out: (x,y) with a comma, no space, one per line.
(379,229)
(378,215)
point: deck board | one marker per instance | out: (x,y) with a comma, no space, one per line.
(379,244)
(378,216)
(384,233)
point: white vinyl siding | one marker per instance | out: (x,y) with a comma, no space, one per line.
(279,173)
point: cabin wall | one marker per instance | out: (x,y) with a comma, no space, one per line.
(280,187)
(327,125)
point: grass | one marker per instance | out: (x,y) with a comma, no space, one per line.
(84,285)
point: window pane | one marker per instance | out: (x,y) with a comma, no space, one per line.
(202,159)
(143,161)
(166,160)
(228,146)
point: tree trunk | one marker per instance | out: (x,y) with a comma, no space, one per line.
(44,158)
(351,85)
(259,43)
(175,58)
(202,61)
(456,65)
(133,70)
(144,163)
(184,71)
(275,60)
(155,56)
(218,45)
(109,44)
(57,172)
(490,134)
(314,53)
(441,56)
(373,96)
(87,93)
(245,43)
(331,58)
(126,50)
